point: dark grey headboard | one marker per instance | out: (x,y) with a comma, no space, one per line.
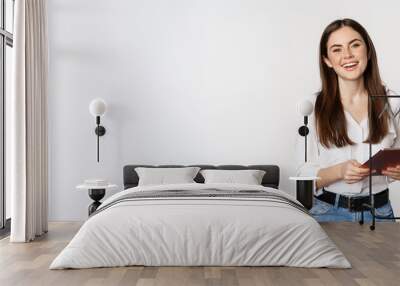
(271,177)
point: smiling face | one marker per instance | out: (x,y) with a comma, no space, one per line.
(347,53)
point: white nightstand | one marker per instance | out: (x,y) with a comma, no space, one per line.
(96,193)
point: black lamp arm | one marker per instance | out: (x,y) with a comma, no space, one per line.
(303,131)
(100,131)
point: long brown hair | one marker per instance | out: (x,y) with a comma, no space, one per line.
(329,114)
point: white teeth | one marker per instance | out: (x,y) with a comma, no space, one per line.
(349,65)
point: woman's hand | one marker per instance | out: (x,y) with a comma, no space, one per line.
(392,172)
(352,172)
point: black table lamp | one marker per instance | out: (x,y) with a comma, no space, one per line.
(97,108)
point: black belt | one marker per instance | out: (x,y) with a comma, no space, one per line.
(354,203)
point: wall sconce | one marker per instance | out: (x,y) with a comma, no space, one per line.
(305,108)
(97,108)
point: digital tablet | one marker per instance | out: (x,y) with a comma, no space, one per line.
(389,157)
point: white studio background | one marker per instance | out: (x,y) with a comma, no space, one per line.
(188,81)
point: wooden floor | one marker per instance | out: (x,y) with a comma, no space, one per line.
(375,257)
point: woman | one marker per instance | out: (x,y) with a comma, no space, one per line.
(340,132)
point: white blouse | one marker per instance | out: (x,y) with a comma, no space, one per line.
(319,156)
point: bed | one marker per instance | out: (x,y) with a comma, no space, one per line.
(201,224)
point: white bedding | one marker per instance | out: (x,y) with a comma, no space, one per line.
(200,231)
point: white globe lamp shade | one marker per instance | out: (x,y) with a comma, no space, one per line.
(97,107)
(305,107)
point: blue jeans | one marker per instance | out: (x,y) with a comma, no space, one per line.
(324,212)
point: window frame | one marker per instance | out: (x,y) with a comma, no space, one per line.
(6,39)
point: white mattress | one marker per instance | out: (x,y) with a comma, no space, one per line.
(200,231)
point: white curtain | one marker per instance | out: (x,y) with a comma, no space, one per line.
(28,122)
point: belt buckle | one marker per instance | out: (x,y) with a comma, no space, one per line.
(352,203)
(349,206)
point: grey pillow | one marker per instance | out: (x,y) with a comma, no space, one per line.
(165,176)
(248,177)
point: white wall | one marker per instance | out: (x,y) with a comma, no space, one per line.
(212,81)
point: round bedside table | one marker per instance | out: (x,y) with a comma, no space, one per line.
(304,190)
(96,193)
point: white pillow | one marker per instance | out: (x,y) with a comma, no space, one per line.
(248,177)
(165,176)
